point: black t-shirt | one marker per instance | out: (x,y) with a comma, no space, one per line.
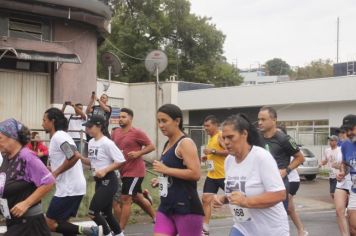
(282,147)
(97,110)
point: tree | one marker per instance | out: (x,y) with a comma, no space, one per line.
(277,66)
(193,45)
(315,69)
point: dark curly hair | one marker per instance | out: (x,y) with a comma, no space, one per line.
(60,121)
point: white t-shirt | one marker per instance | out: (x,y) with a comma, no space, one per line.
(71,182)
(293,175)
(76,123)
(256,174)
(345,183)
(103,152)
(332,156)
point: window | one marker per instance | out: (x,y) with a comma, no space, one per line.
(308,132)
(19,27)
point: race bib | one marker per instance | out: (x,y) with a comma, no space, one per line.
(2,183)
(210,165)
(163,186)
(4,208)
(240,214)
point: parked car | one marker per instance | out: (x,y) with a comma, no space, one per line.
(310,168)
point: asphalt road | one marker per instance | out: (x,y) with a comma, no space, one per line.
(313,203)
(316,223)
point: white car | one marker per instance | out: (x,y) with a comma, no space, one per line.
(310,168)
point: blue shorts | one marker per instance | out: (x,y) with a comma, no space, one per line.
(63,208)
(235,232)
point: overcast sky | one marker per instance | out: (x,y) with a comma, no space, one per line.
(298,31)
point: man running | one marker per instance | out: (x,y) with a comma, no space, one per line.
(280,145)
(348,149)
(134,143)
(214,156)
(332,157)
(70,181)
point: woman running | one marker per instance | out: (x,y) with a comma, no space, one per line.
(180,211)
(104,158)
(24,181)
(253,185)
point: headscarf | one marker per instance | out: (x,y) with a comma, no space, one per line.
(10,128)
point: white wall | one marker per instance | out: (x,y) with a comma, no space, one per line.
(332,111)
(116,90)
(141,98)
(336,89)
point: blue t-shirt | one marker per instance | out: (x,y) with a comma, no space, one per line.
(348,150)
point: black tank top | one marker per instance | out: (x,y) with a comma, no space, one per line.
(182,195)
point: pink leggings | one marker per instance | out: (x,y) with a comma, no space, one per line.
(184,225)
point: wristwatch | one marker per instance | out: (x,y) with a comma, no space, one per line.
(288,170)
(213,151)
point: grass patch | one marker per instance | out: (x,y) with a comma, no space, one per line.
(324,172)
(84,206)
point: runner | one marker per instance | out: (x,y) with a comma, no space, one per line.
(280,145)
(341,198)
(253,186)
(70,181)
(24,181)
(348,150)
(294,182)
(214,156)
(134,143)
(180,211)
(332,157)
(104,158)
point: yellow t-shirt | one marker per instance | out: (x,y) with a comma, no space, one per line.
(218,160)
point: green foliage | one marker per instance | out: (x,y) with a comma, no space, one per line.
(193,45)
(277,66)
(315,69)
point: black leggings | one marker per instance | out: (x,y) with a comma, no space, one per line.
(101,204)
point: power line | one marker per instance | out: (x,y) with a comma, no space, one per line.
(122,52)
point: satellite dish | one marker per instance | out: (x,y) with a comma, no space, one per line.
(113,64)
(156,61)
(109,59)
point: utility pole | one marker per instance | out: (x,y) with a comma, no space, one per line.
(337,40)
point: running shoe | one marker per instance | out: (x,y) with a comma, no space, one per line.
(204,232)
(148,196)
(97,231)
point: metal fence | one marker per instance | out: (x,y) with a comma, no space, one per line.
(46,139)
